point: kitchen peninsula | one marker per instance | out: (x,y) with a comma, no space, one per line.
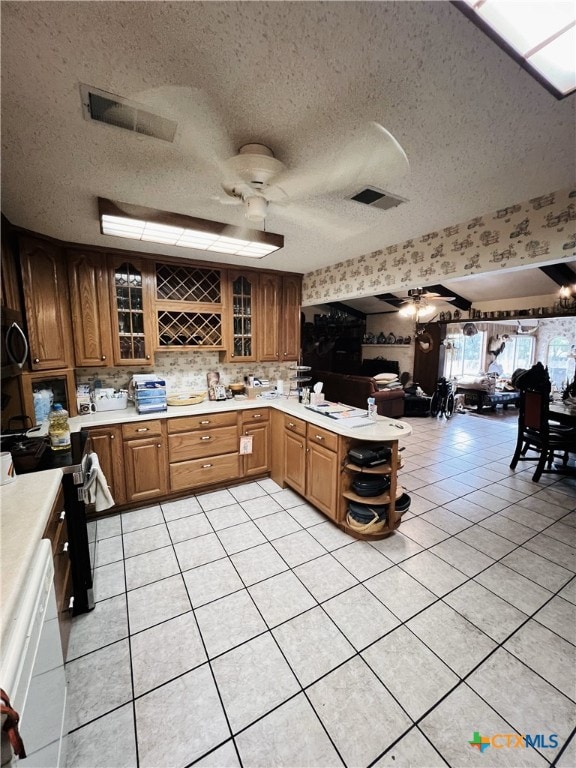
(190,449)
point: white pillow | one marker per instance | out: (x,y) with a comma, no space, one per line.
(385,377)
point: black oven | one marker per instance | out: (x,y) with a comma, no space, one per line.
(74,480)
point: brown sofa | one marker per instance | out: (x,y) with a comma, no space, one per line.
(355,390)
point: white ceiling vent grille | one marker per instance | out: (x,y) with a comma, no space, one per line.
(377,198)
(115,110)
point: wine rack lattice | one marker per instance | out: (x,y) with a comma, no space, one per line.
(191,329)
(192,284)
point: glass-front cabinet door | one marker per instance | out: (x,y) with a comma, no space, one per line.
(241,342)
(131,311)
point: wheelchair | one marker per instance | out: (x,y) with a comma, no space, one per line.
(442,403)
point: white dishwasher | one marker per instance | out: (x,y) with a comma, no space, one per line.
(32,667)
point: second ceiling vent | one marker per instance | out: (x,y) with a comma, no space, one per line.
(115,110)
(377,198)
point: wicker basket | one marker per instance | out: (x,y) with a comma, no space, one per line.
(192,398)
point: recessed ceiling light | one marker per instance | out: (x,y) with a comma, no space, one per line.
(153,226)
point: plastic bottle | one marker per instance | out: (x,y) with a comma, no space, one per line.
(372,408)
(58,429)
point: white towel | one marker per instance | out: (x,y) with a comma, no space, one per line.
(96,490)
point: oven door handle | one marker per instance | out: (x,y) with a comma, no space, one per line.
(15,329)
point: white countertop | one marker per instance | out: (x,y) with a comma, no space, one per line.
(25,504)
(384,428)
(25,507)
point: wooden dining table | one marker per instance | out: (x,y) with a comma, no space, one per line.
(563,414)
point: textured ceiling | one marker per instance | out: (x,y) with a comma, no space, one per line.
(479,132)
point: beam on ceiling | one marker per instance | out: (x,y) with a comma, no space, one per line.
(457,301)
(389,298)
(561,274)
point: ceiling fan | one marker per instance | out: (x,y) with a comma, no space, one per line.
(419,304)
(253,177)
(256,179)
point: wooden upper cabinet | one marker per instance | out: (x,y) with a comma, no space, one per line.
(10,293)
(46,300)
(269,326)
(241,331)
(131,309)
(279,327)
(89,300)
(290,325)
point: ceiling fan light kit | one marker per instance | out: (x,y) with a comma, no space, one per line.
(154,226)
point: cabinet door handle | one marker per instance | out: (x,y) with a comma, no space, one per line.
(256,415)
(36,359)
(291,424)
(142,429)
(71,603)
(206,421)
(206,466)
(159,445)
(103,357)
(206,437)
(147,357)
(112,437)
(62,514)
(65,547)
(318,437)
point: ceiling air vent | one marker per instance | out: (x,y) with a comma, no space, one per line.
(115,110)
(377,198)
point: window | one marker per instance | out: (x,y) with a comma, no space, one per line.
(464,354)
(560,362)
(518,353)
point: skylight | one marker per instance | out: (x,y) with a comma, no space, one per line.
(541,34)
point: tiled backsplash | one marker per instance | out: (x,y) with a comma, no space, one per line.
(186,371)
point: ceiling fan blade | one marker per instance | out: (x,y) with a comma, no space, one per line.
(200,133)
(372,156)
(330,225)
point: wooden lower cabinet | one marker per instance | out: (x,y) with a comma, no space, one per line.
(146,468)
(107,443)
(256,424)
(203,450)
(56,530)
(295,461)
(322,478)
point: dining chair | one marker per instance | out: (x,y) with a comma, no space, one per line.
(535,433)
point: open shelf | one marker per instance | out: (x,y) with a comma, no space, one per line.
(383,498)
(380,469)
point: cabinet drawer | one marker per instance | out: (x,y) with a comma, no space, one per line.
(252,417)
(200,472)
(323,437)
(207,442)
(202,421)
(141,429)
(295,425)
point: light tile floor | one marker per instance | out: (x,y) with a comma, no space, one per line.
(240,628)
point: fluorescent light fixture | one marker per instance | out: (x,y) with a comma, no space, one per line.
(153,226)
(539,34)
